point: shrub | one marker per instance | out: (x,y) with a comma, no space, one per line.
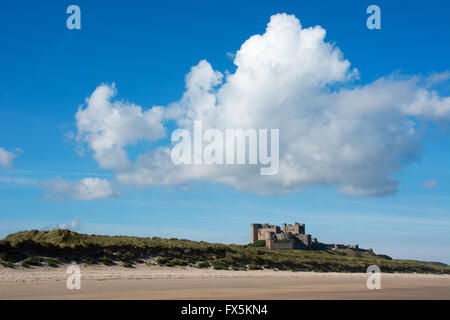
(127,265)
(180,262)
(257,244)
(33,261)
(163,260)
(220,267)
(126,256)
(254,267)
(4,256)
(203,264)
(88,260)
(174,253)
(7,264)
(12,256)
(234,268)
(52,262)
(106,261)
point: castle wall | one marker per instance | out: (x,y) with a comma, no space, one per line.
(267,233)
(305,238)
(277,245)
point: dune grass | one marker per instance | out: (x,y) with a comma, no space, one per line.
(32,261)
(28,248)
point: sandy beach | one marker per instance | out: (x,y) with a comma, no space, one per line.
(144,282)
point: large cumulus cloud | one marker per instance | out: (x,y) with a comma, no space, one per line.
(331,133)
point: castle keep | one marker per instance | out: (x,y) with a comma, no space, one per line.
(290,237)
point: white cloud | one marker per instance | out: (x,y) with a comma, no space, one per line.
(331,133)
(84,189)
(6,158)
(430,106)
(438,77)
(430,184)
(21,181)
(72,225)
(107,127)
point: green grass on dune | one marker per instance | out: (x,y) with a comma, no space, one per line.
(29,248)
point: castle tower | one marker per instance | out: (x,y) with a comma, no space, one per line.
(298,228)
(301,228)
(255,229)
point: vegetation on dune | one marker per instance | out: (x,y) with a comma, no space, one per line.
(52,262)
(258,244)
(203,264)
(32,261)
(40,248)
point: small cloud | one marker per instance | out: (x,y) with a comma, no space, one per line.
(186,188)
(69,135)
(231,55)
(438,77)
(85,189)
(20,181)
(73,225)
(430,184)
(7,157)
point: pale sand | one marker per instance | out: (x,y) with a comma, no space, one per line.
(144,282)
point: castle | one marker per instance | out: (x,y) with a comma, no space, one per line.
(291,237)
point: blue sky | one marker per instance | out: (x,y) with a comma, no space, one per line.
(146,49)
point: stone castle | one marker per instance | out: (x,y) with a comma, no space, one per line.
(290,237)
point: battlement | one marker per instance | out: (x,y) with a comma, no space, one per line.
(296,228)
